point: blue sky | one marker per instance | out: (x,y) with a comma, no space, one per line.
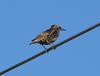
(22,20)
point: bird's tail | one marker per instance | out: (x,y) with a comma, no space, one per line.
(33,42)
(30,43)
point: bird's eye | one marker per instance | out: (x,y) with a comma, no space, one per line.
(60,28)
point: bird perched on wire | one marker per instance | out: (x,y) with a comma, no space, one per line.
(48,37)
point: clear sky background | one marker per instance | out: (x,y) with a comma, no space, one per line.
(22,20)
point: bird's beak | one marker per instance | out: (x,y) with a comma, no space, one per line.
(63,29)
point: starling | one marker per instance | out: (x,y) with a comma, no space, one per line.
(48,37)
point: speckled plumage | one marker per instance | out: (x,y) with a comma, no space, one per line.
(48,37)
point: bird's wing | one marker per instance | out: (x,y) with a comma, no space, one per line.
(42,36)
(49,32)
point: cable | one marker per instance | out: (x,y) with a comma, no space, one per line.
(49,49)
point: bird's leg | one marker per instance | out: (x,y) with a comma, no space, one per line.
(44,48)
(53,46)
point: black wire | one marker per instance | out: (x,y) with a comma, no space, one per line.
(49,49)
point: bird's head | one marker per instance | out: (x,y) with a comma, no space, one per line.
(57,27)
